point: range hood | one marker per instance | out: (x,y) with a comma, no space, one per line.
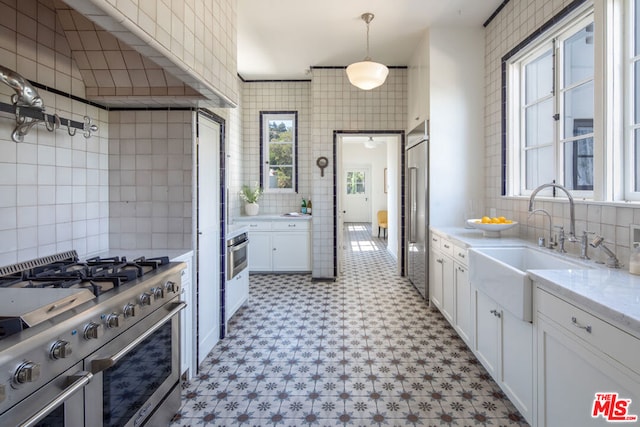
(122,68)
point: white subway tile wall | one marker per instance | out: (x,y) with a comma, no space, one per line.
(53,187)
(513,24)
(150,168)
(275,96)
(337,105)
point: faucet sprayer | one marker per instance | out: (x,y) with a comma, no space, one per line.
(572,215)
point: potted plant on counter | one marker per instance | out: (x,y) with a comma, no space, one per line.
(251,196)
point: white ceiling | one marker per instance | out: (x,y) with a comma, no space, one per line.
(282,39)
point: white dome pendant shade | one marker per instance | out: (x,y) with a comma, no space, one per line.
(367,74)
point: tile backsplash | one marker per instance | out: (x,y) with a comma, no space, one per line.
(150,167)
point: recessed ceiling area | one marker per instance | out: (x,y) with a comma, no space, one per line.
(282,39)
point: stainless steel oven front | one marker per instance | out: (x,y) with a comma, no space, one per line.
(137,373)
(237,254)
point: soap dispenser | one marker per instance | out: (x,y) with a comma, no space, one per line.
(634,259)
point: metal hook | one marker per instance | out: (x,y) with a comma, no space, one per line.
(69,128)
(51,126)
(89,127)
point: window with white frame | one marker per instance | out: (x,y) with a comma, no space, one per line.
(633,101)
(279,154)
(550,103)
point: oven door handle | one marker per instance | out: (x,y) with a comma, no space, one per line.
(80,380)
(99,365)
(236,248)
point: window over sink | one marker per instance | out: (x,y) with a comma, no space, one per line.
(279,151)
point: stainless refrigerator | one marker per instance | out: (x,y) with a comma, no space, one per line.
(417,219)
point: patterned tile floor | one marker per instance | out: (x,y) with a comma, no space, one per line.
(365,350)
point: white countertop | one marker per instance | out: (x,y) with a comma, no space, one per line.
(611,294)
(273,217)
(235,229)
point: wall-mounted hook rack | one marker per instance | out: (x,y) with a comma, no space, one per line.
(29,109)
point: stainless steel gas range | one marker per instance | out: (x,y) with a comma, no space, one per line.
(91,343)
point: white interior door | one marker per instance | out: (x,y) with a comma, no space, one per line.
(357,200)
(208,286)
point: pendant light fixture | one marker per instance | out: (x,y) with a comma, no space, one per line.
(367,74)
(370,143)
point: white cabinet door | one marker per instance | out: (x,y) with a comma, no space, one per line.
(236,293)
(463,323)
(486,332)
(291,251)
(516,362)
(448,291)
(436,278)
(569,376)
(208,285)
(260,251)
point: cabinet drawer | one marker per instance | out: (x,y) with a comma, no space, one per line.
(607,338)
(290,225)
(460,255)
(435,241)
(259,226)
(446,246)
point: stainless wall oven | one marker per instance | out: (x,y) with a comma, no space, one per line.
(237,254)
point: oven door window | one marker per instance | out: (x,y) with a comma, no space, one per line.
(54,419)
(129,384)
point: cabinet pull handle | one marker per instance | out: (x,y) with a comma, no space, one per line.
(578,325)
(460,269)
(446,246)
(460,254)
(440,261)
(292,225)
(495,313)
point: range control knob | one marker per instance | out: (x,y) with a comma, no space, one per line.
(158,293)
(60,350)
(145,299)
(28,372)
(129,310)
(171,287)
(113,320)
(92,331)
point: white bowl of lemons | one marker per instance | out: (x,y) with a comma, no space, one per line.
(492,226)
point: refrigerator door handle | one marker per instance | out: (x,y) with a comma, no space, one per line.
(413,197)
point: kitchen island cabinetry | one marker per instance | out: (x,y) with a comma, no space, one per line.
(579,355)
(504,346)
(279,245)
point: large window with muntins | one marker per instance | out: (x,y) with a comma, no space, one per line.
(551,108)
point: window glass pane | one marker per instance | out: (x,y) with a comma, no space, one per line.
(578,56)
(539,77)
(280,130)
(280,177)
(636,142)
(539,123)
(578,107)
(281,154)
(355,183)
(636,95)
(578,164)
(636,27)
(539,164)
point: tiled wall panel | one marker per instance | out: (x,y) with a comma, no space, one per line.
(150,168)
(53,187)
(337,105)
(274,96)
(513,24)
